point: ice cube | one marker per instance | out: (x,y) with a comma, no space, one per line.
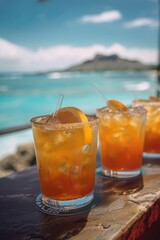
(69,133)
(59,139)
(52,120)
(64,168)
(75,170)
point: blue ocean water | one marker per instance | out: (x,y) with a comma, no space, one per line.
(23,96)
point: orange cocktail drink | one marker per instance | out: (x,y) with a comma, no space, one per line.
(152,134)
(121,133)
(66,157)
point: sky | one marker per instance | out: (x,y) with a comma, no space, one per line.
(41,35)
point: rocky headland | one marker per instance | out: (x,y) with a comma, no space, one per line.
(110,63)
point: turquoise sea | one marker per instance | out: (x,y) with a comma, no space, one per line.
(23,96)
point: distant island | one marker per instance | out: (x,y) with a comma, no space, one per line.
(111,63)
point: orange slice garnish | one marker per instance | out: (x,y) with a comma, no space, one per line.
(75,115)
(153,98)
(71,115)
(115,105)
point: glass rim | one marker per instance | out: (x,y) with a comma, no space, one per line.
(132,110)
(93,120)
(146,101)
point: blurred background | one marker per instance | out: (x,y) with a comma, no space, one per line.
(74,47)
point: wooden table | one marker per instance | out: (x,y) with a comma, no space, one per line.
(125,209)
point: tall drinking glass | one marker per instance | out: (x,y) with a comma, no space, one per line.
(66,160)
(121,135)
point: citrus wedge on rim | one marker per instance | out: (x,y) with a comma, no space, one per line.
(75,115)
(153,98)
(115,105)
(71,115)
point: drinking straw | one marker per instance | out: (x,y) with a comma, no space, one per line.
(59,104)
(100,92)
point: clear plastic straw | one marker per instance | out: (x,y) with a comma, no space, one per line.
(100,92)
(59,104)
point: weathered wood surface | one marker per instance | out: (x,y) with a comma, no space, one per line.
(125,209)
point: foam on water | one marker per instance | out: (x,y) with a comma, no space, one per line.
(132,86)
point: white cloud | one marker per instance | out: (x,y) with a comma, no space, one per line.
(140,22)
(16,58)
(109,16)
